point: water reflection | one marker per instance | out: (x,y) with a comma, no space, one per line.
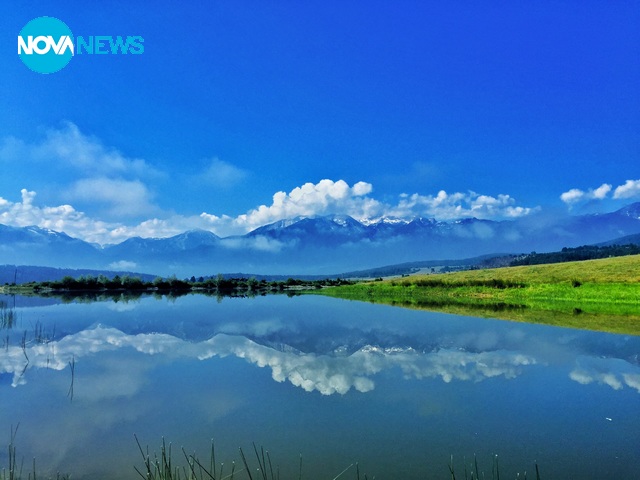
(612,372)
(327,374)
(331,373)
(329,361)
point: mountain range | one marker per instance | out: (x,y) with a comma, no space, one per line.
(318,245)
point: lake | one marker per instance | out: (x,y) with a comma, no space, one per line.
(399,391)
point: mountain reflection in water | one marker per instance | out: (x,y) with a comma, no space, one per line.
(394,389)
(328,374)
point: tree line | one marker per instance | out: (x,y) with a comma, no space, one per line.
(586,252)
(217,285)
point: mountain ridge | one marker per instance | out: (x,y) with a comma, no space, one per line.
(317,245)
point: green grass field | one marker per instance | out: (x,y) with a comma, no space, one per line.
(599,294)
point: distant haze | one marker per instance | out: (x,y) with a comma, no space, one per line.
(316,245)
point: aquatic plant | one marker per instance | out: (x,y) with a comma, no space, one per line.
(14,470)
(160,466)
(7,316)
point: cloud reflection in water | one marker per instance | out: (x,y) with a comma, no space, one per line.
(325,373)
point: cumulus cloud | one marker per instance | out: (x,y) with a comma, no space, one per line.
(129,198)
(75,167)
(572,196)
(310,199)
(576,195)
(65,218)
(60,218)
(118,193)
(328,196)
(446,206)
(630,189)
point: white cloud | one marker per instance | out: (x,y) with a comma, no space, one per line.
(576,195)
(328,197)
(310,199)
(222,174)
(157,228)
(87,153)
(259,242)
(65,218)
(61,218)
(445,206)
(362,188)
(572,196)
(602,191)
(123,265)
(630,189)
(128,198)
(124,198)
(80,168)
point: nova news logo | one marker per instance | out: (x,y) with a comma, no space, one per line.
(46,45)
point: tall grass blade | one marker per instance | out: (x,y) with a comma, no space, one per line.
(342,472)
(212,458)
(193,461)
(246,465)
(453,475)
(475,461)
(260,463)
(146,459)
(72,365)
(270,466)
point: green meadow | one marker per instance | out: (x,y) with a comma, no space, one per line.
(601,295)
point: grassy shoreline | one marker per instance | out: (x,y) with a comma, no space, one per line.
(601,295)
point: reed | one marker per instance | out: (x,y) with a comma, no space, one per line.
(72,366)
(161,466)
(7,316)
(14,470)
(474,472)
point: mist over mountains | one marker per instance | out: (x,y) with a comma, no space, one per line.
(318,245)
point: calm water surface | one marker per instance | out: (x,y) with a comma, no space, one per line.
(339,382)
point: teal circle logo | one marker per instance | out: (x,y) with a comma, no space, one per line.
(45,45)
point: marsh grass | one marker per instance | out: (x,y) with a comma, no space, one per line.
(473,472)
(7,316)
(162,466)
(15,468)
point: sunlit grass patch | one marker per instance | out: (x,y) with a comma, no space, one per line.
(599,294)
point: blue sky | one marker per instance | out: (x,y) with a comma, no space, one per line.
(240,113)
